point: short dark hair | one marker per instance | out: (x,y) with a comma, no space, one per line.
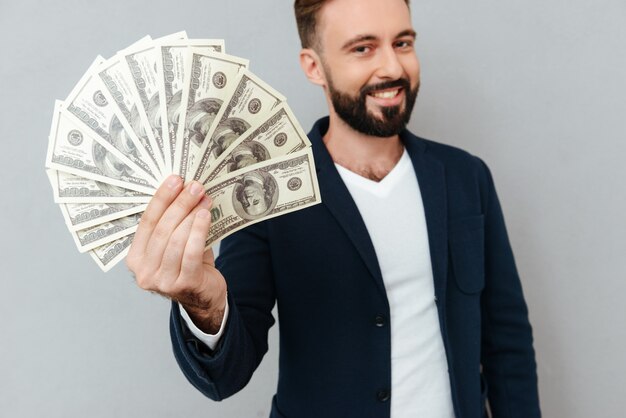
(306,20)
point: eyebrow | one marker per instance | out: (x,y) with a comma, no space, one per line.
(363,38)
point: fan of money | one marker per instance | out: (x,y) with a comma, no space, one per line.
(173,105)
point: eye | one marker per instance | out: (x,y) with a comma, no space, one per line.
(361,49)
(404,44)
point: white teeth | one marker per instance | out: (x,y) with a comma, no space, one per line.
(386,94)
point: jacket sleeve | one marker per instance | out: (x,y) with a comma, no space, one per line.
(245,262)
(508,357)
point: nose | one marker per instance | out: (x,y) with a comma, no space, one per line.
(389,66)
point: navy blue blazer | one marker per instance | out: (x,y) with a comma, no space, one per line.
(320,267)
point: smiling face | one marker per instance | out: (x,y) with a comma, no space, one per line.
(367,63)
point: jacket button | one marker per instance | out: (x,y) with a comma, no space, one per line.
(380,321)
(383,395)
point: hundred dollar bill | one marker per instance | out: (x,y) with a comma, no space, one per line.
(95,236)
(141,62)
(252,101)
(86,215)
(72,149)
(262,191)
(120,90)
(108,255)
(279,135)
(69,188)
(211,77)
(171,57)
(140,65)
(90,107)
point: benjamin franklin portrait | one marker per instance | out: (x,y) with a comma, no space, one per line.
(247,154)
(200,118)
(255,196)
(226,133)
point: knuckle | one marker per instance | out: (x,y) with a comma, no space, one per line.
(161,232)
(145,278)
(176,242)
(144,282)
(147,221)
(190,258)
(182,203)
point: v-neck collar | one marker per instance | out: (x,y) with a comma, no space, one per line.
(430,172)
(378,188)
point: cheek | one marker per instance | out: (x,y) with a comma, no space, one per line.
(412,68)
(349,76)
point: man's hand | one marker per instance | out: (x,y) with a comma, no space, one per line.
(168,257)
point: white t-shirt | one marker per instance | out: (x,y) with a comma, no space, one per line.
(393,213)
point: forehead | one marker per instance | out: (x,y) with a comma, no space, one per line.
(340,20)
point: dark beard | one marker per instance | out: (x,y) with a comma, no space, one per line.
(353,110)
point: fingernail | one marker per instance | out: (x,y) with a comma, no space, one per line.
(204,214)
(173,181)
(196,189)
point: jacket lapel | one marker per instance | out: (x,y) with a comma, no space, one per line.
(337,198)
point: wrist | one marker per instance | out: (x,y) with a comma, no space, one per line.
(207,316)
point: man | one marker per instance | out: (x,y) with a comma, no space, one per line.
(397,296)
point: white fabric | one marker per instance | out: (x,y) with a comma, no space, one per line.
(393,213)
(210,340)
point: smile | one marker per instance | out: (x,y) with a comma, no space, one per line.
(387,94)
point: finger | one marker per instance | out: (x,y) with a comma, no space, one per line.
(162,199)
(173,255)
(193,257)
(177,211)
(209,257)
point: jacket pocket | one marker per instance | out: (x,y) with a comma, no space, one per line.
(466,240)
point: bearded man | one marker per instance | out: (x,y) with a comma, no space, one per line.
(397,296)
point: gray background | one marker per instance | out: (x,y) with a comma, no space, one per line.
(537,89)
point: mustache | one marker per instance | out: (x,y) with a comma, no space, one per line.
(401,82)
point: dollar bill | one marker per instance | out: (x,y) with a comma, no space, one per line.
(108,255)
(86,215)
(173,105)
(95,236)
(141,62)
(251,102)
(261,192)
(69,188)
(120,90)
(90,107)
(211,77)
(171,57)
(279,135)
(72,148)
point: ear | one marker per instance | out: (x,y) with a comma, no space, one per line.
(312,66)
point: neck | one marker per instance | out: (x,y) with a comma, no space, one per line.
(368,156)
